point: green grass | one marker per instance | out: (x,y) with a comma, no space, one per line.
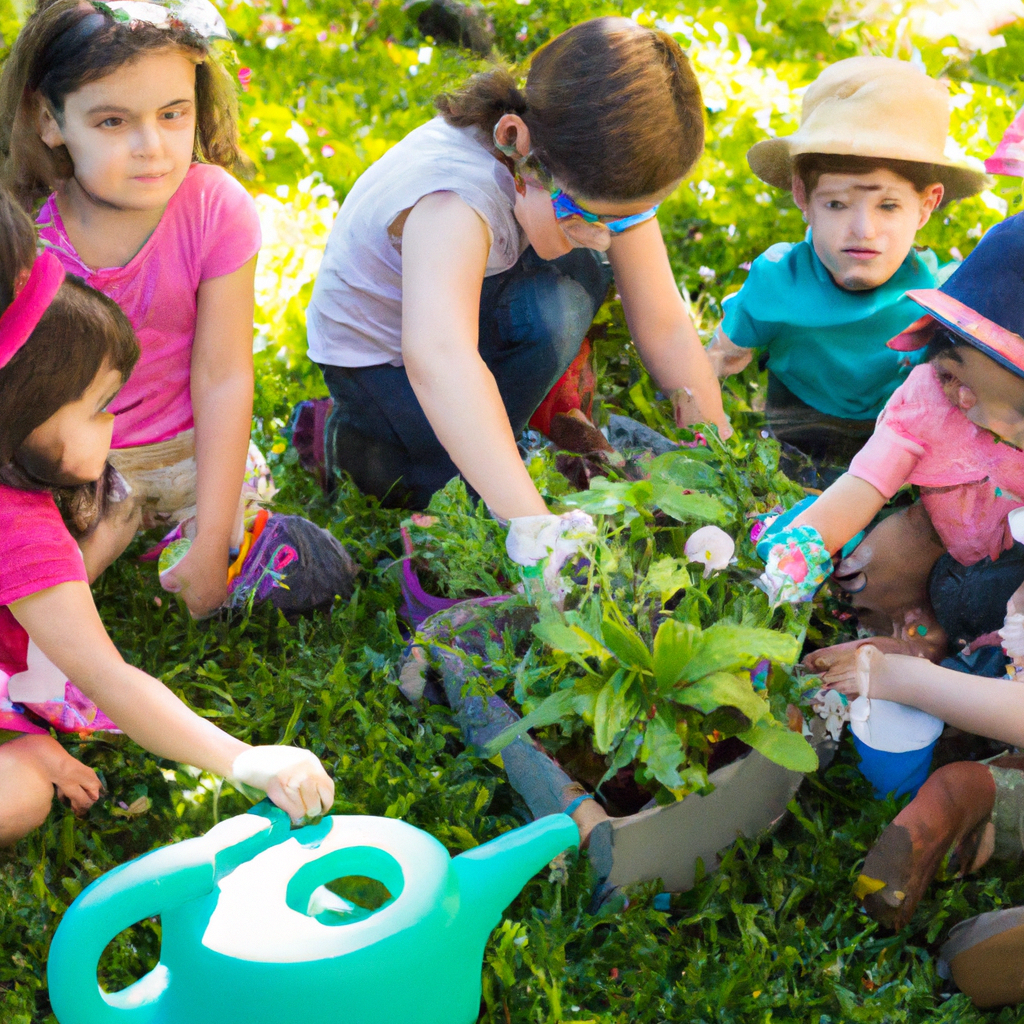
(774,934)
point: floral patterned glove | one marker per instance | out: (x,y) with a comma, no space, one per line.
(796,564)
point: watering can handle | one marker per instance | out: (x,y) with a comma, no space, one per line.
(144,887)
(132,892)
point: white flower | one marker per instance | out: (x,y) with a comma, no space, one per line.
(712,547)
(832,706)
(706,274)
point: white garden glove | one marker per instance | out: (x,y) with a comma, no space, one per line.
(293,778)
(543,544)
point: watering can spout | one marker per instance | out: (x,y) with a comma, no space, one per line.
(492,875)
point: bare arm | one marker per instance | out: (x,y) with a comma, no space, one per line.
(727,358)
(444,255)
(986,707)
(845,509)
(66,627)
(222,390)
(658,322)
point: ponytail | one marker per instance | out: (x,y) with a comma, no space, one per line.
(483,100)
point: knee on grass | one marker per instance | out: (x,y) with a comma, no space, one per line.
(26,785)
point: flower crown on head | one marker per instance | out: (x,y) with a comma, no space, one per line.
(198,15)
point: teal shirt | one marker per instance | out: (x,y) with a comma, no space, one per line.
(827,344)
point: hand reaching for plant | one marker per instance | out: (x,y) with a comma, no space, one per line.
(293,778)
(796,564)
(543,544)
(687,412)
(201,577)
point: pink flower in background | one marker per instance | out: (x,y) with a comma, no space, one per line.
(244,78)
(327,151)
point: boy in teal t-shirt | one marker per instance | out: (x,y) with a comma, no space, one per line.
(867,169)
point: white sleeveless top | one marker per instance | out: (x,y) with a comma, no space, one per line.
(355,316)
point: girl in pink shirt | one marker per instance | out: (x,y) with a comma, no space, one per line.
(118,116)
(65,352)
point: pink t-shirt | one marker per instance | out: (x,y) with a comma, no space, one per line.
(36,553)
(969,480)
(209,229)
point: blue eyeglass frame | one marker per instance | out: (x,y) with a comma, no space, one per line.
(565,206)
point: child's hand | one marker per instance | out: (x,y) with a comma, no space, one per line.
(201,577)
(293,778)
(77,783)
(688,413)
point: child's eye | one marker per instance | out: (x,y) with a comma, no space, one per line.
(835,204)
(111,122)
(172,115)
(890,207)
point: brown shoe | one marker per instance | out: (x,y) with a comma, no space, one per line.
(950,810)
(985,957)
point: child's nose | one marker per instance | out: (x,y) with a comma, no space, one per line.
(864,224)
(147,140)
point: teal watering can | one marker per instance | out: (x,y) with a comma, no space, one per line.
(252,935)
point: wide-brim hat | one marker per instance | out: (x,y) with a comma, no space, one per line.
(983,302)
(871,107)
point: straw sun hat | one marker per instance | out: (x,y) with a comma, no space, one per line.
(871,107)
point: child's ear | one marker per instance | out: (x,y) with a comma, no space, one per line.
(800,193)
(930,199)
(47,126)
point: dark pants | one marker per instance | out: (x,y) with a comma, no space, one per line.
(970,600)
(827,440)
(533,319)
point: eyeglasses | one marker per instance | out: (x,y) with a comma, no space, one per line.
(591,230)
(565,206)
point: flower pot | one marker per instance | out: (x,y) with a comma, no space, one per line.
(749,798)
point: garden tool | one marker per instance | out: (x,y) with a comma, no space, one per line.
(252,934)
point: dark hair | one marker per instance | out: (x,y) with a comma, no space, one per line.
(80,332)
(944,342)
(66,44)
(614,110)
(809,168)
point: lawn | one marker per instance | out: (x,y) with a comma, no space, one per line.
(773,935)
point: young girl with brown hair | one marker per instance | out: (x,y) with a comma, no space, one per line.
(65,352)
(120,118)
(467,264)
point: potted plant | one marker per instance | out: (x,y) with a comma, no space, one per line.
(662,685)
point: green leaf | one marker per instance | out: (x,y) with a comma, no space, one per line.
(625,753)
(603,498)
(673,648)
(666,577)
(727,647)
(626,644)
(781,745)
(568,639)
(612,713)
(685,507)
(550,710)
(723,689)
(662,752)
(681,470)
